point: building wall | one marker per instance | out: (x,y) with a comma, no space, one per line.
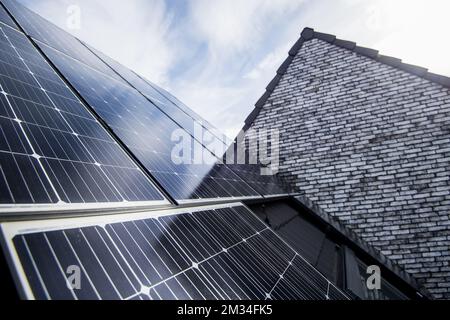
(370,144)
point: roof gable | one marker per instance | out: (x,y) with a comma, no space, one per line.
(309,34)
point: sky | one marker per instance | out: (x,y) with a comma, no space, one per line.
(217,56)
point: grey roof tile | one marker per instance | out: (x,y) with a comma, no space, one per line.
(325,37)
(345,44)
(370,53)
(390,61)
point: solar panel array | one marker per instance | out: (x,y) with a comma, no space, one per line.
(175,110)
(144,105)
(130,116)
(52,150)
(180,113)
(224,252)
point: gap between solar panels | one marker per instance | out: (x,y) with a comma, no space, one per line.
(212,252)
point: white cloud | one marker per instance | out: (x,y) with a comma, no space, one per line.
(233,73)
(271,61)
(236,25)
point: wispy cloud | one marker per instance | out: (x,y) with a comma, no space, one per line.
(234,26)
(218,55)
(239,39)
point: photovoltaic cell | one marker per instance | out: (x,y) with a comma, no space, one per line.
(173,108)
(52,150)
(224,252)
(148,133)
(41,29)
(186,118)
(5,18)
(188,111)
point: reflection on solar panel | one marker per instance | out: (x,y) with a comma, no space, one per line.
(148,132)
(224,252)
(180,115)
(41,29)
(52,150)
(189,111)
(5,18)
(125,110)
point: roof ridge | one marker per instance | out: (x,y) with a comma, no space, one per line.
(309,34)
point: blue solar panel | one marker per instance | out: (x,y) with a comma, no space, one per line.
(136,114)
(189,111)
(41,29)
(5,18)
(218,252)
(52,149)
(185,117)
(176,110)
(147,132)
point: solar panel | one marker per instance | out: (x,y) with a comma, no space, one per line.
(52,149)
(189,111)
(148,132)
(217,252)
(41,29)
(183,116)
(180,113)
(5,18)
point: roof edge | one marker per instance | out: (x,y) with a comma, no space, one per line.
(308,34)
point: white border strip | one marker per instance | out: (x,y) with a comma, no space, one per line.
(209,200)
(52,208)
(270,196)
